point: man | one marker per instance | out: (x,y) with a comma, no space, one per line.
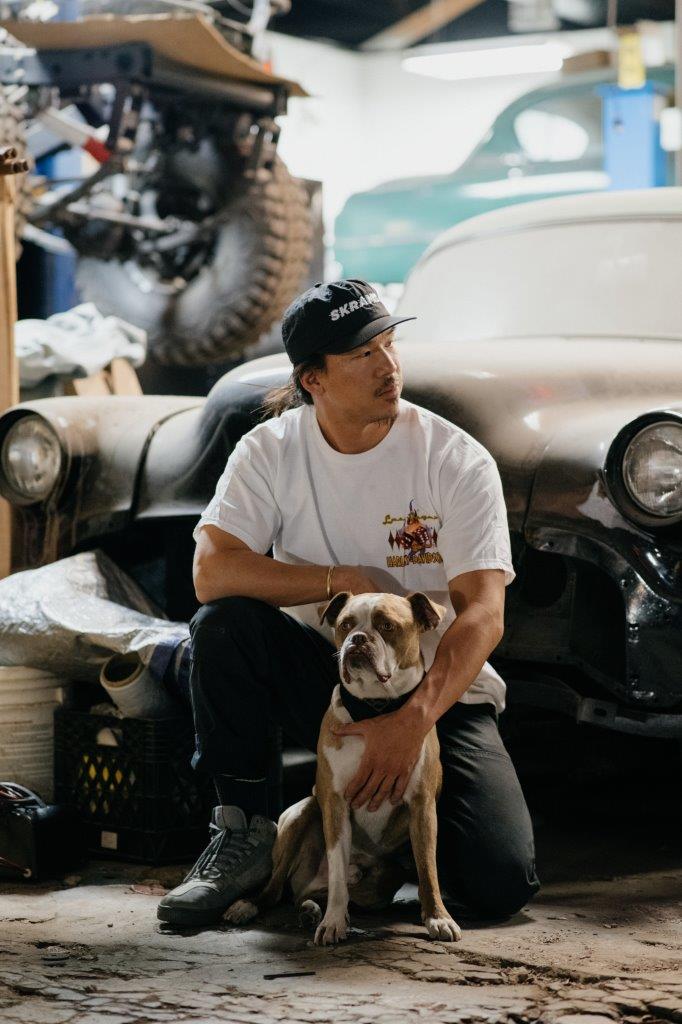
(354,489)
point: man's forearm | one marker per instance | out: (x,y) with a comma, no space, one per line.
(244,573)
(247,574)
(461,654)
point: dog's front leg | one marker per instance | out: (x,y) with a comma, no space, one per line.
(337,838)
(423,834)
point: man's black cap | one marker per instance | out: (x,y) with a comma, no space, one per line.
(334,318)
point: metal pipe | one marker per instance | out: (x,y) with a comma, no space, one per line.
(244,95)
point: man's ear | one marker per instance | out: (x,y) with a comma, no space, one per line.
(311,381)
(331,610)
(427,614)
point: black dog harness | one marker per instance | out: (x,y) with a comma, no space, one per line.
(370,707)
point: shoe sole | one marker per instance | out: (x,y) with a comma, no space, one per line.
(189,918)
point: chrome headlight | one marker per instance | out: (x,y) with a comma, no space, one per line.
(652,468)
(31,460)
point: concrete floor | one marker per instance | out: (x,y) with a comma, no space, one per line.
(601,942)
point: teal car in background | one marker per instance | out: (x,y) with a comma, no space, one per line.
(544,144)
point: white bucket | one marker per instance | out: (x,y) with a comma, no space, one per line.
(28,700)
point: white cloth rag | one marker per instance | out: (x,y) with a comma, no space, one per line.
(76,343)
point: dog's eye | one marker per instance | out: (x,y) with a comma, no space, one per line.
(387,626)
(346,625)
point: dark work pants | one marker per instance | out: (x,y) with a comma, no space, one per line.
(252,664)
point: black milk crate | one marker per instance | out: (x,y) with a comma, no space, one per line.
(132,784)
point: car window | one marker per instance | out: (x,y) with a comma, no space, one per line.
(560,129)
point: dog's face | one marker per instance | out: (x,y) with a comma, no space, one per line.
(377,635)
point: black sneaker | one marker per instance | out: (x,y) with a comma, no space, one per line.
(237,860)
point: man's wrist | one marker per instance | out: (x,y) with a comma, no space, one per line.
(416,715)
(340,579)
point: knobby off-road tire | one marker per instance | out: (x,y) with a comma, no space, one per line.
(12,117)
(259,263)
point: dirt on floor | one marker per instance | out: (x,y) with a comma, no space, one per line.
(601,942)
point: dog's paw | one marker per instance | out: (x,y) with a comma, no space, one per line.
(443,928)
(240,912)
(331,929)
(309,914)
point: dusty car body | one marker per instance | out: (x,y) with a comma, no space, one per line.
(551,333)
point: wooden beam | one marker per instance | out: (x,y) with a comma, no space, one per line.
(432,16)
(9,374)
(678,81)
(117,378)
(122,378)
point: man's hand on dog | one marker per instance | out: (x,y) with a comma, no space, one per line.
(354,579)
(392,746)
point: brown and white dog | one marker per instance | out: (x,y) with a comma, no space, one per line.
(324,846)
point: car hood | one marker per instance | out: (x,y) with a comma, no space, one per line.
(515,395)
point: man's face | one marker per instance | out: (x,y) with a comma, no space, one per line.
(364,384)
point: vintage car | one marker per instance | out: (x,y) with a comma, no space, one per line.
(551,332)
(548,142)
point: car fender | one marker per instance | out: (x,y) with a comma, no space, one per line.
(187,454)
(104,441)
(574,515)
(573,512)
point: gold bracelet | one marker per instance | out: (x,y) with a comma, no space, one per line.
(330,573)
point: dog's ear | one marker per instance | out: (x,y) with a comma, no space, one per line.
(330,611)
(427,614)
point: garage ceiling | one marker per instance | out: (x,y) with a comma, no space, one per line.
(356,23)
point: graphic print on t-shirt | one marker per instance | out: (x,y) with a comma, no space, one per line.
(415,538)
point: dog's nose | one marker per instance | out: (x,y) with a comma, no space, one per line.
(358,639)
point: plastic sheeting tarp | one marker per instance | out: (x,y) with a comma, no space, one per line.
(70,616)
(76,343)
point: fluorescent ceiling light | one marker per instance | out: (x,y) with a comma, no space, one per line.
(502,60)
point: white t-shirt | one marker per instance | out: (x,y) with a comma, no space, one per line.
(418,509)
